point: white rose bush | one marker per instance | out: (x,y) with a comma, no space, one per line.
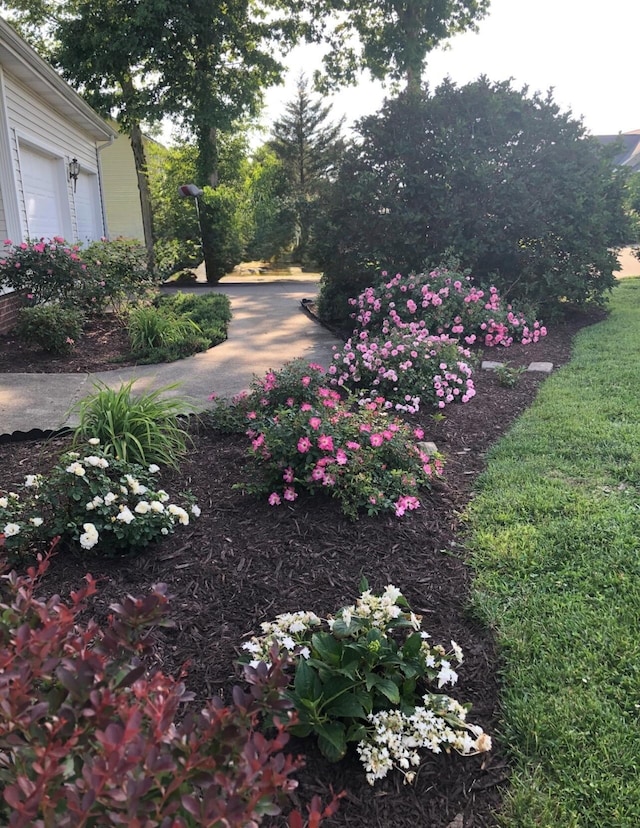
(367,676)
(96,502)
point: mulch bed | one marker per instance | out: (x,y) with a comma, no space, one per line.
(102,346)
(243,562)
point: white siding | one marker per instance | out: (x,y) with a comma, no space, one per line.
(35,126)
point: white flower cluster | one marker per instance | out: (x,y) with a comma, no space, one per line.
(288,630)
(395,738)
(378,610)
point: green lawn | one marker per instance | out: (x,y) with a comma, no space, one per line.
(555,542)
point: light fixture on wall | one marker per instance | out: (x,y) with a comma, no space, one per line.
(74,171)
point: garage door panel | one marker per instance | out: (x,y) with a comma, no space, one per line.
(41,187)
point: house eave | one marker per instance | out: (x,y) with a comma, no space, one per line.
(27,66)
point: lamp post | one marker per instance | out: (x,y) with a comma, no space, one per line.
(194,192)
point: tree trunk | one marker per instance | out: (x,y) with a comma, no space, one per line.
(137,146)
(208,172)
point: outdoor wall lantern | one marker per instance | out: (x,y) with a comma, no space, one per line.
(74,171)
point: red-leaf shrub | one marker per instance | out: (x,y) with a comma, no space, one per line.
(88,737)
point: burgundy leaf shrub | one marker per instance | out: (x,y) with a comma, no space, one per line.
(89,737)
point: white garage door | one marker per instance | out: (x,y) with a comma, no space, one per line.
(87,199)
(41,186)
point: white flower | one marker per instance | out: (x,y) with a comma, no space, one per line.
(142,507)
(180,513)
(163,496)
(32,480)
(125,515)
(156,506)
(4,502)
(164,531)
(11,529)
(94,441)
(90,506)
(305,652)
(98,462)
(252,646)
(154,469)
(109,498)
(446,674)
(196,510)
(288,642)
(76,468)
(36,521)
(90,537)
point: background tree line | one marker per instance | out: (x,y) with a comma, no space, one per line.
(498,177)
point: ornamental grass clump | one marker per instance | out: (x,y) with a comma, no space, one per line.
(364,458)
(444,302)
(363,677)
(93,501)
(408,366)
(138,428)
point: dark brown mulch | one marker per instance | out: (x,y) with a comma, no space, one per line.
(243,562)
(102,346)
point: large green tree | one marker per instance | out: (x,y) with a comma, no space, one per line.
(390,39)
(506,180)
(309,147)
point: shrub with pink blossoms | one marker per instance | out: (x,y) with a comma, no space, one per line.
(407,366)
(368,460)
(444,302)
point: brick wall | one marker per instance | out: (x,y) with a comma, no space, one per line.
(9,306)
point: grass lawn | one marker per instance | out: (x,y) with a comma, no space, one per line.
(554,534)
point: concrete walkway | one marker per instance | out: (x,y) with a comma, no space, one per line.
(268,329)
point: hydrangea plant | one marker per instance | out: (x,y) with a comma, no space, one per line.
(364,676)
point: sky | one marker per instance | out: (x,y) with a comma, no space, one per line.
(587,51)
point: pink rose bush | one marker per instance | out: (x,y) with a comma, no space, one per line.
(407,366)
(412,335)
(367,459)
(444,302)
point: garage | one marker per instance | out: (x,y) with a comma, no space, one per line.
(43,180)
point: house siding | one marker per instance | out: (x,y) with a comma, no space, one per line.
(121,194)
(36,126)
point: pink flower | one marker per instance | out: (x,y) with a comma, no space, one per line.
(418,433)
(376,440)
(251,415)
(212,396)
(259,440)
(341,458)
(290,493)
(304,444)
(287,475)
(305,407)
(305,381)
(274,499)
(325,442)
(315,423)
(351,444)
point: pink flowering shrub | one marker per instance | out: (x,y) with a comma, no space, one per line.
(297,382)
(444,302)
(366,459)
(407,366)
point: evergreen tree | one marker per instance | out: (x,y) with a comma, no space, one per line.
(309,147)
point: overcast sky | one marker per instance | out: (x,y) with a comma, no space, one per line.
(589,52)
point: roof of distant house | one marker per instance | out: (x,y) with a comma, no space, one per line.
(629,155)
